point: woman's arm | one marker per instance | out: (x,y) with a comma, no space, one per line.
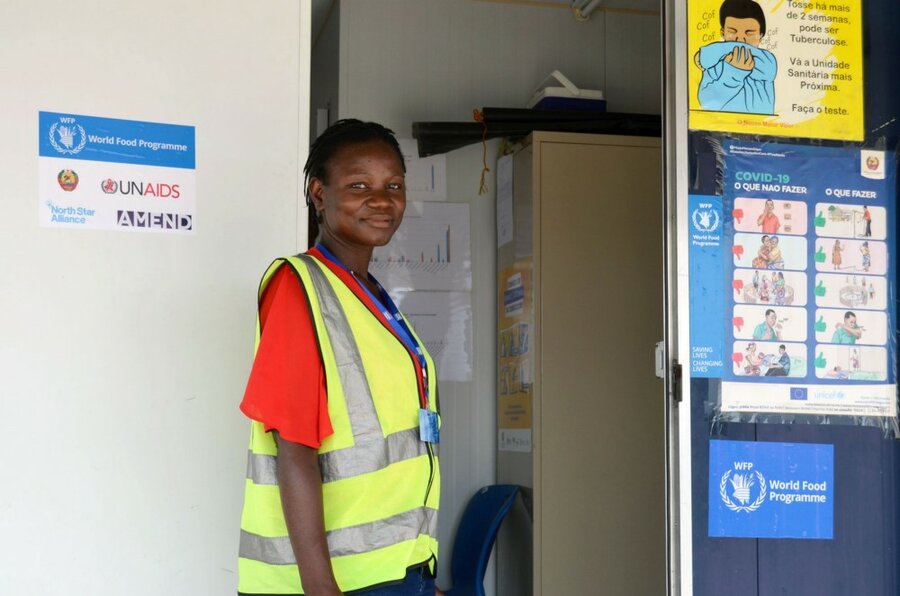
(300,483)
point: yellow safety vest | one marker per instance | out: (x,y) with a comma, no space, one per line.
(380,483)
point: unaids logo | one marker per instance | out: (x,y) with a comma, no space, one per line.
(705,220)
(67,136)
(109,186)
(68,180)
(743,489)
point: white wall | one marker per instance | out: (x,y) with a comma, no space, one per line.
(403,61)
(123,355)
(325,66)
(468,409)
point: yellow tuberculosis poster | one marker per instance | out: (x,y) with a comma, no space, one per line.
(776,67)
(515,357)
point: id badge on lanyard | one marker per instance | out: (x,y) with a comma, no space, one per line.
(429,430)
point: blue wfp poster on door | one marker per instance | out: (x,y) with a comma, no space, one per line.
(771,490)
(807,235)
(707,297)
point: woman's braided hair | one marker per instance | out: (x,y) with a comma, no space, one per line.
(348,131)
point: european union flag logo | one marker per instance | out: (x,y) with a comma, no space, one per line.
(798,393)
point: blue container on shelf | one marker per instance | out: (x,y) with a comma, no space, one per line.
(566,97)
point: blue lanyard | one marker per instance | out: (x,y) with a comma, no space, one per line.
(390,312)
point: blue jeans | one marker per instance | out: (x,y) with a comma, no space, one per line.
(418,582)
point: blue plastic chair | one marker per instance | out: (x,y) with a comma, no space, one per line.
(475,537)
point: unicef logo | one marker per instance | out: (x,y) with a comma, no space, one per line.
(705,220)
(742,487)
(67,136)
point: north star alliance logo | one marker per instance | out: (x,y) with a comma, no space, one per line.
(67,136)
(743,483)
(68,180)
(705,220)
(70,215)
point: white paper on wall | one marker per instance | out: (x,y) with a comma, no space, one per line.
(443,321)
(430,251)
(426,177)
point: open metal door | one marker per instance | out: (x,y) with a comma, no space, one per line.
(781,281)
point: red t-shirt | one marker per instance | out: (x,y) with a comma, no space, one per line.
(286,390)
(770,224)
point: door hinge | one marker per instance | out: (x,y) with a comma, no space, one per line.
(676,381)
(660,360)
(675,371)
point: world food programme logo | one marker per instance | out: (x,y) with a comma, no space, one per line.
(109,186)
(705,220)
(741,486)
(67,136)
(68,180)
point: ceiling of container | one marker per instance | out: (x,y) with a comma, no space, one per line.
(321,8)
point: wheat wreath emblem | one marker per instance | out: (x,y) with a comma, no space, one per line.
(67,138)
(741,484)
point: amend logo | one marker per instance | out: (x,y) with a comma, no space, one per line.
(161,221)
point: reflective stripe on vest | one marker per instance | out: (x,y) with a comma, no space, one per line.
(349,462)
(360,407)
(346,541)
(371,450)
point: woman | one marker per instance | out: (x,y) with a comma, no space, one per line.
(753,360)
(761,261)
(780,289)
(776,261)
(343,482)
(866,256)
(836,258)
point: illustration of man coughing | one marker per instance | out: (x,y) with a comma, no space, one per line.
(738,75)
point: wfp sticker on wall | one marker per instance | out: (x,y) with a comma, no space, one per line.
(111,174)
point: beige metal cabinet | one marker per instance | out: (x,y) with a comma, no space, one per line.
(588,209)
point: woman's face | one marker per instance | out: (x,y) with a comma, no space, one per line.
(363,201)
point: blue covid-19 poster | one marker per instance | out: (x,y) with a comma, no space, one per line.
(797,306)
